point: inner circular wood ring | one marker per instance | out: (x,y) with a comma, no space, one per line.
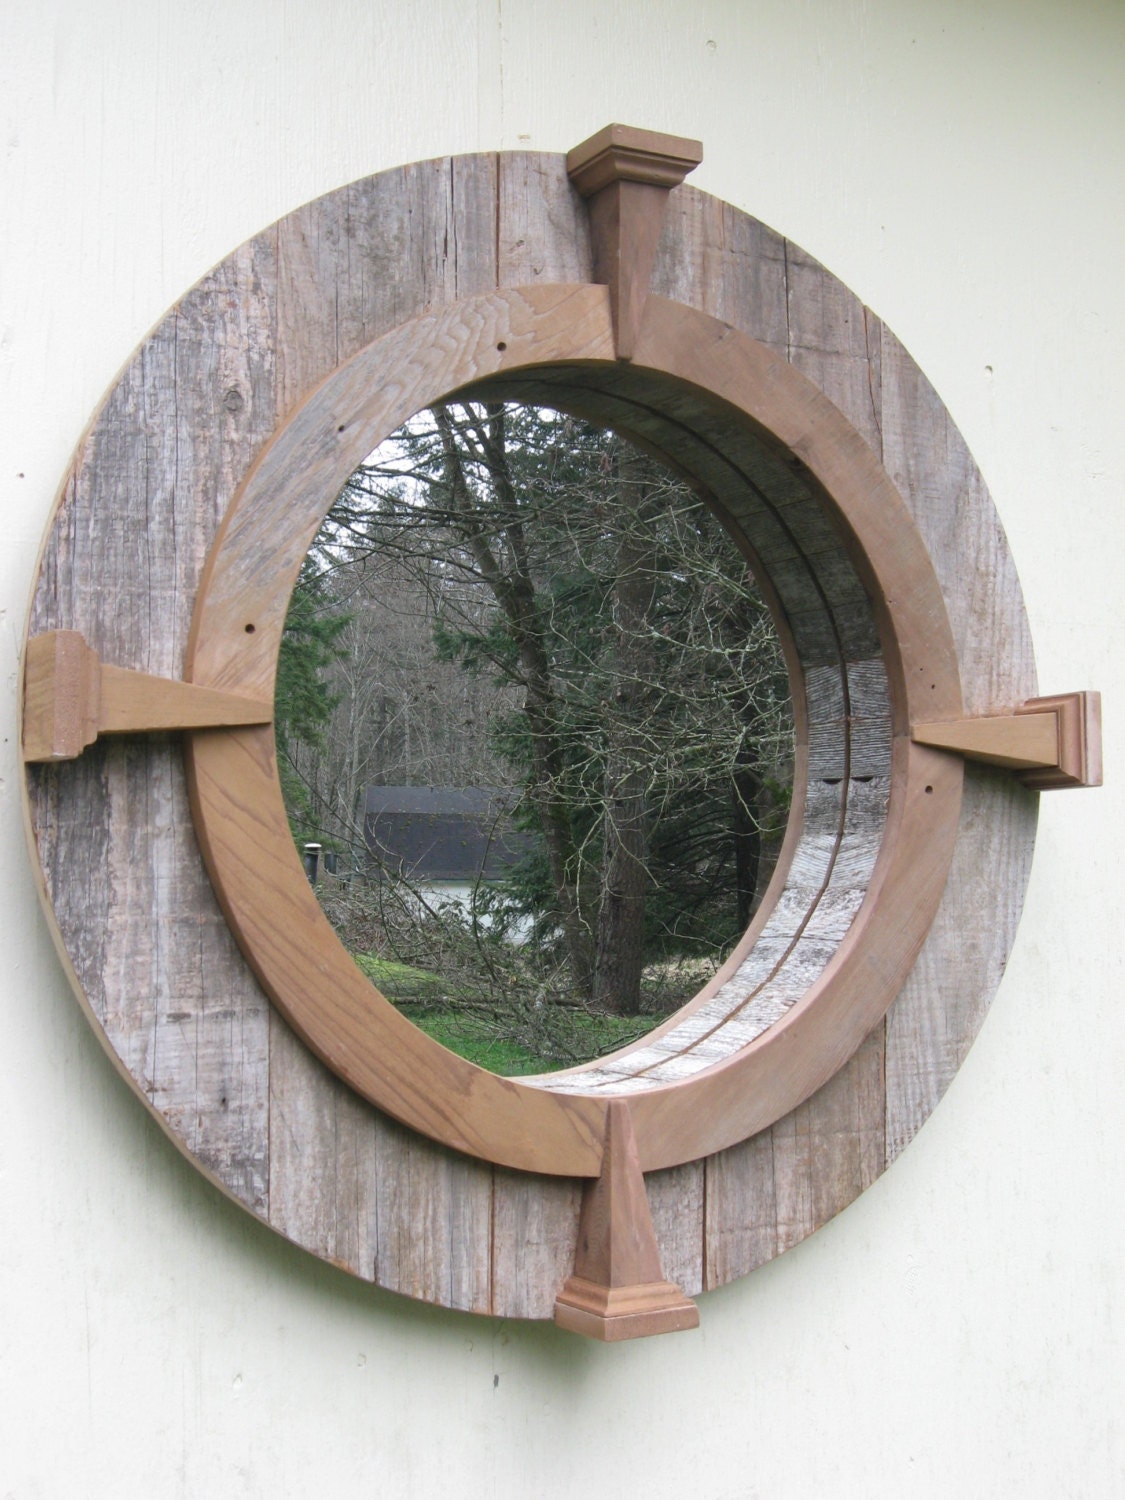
(236,796)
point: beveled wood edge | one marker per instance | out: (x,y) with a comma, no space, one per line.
(257,873)
(1054,743)
(614,1314)
(1080,742)
(315,983)
(71,697)
(624,153)
(784,1065)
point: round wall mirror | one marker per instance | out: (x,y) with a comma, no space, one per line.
(790,427)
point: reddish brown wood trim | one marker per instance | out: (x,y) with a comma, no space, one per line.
(627,175)
(71,697)
(1052,742)
(1080,742)
(241,819)
(618,1290)
(624,153)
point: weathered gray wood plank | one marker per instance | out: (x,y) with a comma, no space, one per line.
(725,263)
(323,1178)
(740,1210)
(434,1221)
(534,1229)
(178,1004)
(542,233)
(927,458)
(676,1198)
(830,1149)
(344,1180)
(939,1012)
(212,1021)
(835,341)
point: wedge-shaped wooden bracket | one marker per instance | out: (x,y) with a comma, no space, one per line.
(627,175)
(618,1289)
(1048,742)
(71,697)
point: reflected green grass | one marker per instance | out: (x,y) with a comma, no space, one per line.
(508,1040)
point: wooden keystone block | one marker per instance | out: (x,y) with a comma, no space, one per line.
(71,697)
(1049,742)
(618,1289)
(627,175)
(62,696)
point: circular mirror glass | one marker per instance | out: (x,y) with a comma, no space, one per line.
(534,732)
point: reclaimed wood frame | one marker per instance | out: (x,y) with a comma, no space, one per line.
(861,603)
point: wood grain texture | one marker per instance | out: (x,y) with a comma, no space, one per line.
(174,1001)
(1018,741)
(177,1007)
(324,1178)
(945,999)
(534,1228)
(675,1199)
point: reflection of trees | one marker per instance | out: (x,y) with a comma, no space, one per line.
(532,602)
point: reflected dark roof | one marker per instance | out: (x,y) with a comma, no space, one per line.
(444,833)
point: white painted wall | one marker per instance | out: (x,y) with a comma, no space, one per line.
(956,1332)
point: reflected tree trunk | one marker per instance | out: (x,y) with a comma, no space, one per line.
(625,868)
(515,593)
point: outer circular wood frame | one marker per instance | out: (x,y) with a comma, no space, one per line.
(260,385)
